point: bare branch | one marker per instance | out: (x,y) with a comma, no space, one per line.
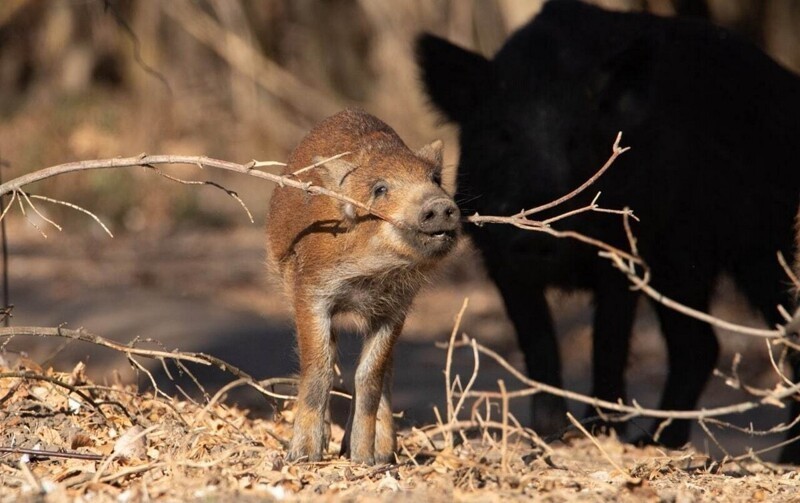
(36,210)
(8,206)
(451,412)
(318,163)
(621,470)
(789,272)
(231,193)
(51,454)
(85,336)
(74,207)
(535,387)
(616,151)
(24,214)
(657,296)
(148,161)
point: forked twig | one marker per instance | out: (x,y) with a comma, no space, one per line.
(210,183)
(74,207)
(616,151)
(36,210)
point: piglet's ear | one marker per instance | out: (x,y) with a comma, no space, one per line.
(432,152)
(334,172)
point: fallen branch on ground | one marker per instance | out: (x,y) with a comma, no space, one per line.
(534,387)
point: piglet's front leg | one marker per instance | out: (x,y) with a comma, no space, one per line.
(370,435)
(317,350)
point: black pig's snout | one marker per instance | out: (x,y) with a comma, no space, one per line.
(439,215)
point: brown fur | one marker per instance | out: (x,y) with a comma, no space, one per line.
(335,258)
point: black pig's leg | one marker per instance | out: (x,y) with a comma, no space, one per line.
(615,309)
(692,351)
(764,283)
(791,453)
(528,310)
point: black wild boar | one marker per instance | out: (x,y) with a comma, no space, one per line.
(713,174)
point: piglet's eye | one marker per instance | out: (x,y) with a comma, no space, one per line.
(437,178)
(380,189)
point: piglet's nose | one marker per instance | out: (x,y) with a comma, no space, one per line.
(439,215)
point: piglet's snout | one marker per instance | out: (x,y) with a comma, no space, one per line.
(439,215)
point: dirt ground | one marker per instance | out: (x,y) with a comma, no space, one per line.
(139,447)
(207,291)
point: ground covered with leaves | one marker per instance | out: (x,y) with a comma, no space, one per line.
(65,438)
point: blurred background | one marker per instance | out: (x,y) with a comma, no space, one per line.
(242,80)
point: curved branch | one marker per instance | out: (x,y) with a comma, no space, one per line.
(145,160)
(535,387)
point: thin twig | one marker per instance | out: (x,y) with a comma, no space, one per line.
(537,226)
(775,367)
(476,365)
(788,270)
(36,210)
(114,455)
(217,396)
(51,454)
(210,183)
(620,469)
(504,441)
(10,203)
(85,336)
(318,163)
(24,214)
(74,207)
(443,429)
(727,455)
(616,151)
(451,413)
(659,297)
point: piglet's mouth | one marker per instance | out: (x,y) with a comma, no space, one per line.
(433,244)
(441,235)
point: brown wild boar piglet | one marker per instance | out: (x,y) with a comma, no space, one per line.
(334,257)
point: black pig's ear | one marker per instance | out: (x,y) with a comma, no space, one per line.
(334,172)
(456,80)
(433,153)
